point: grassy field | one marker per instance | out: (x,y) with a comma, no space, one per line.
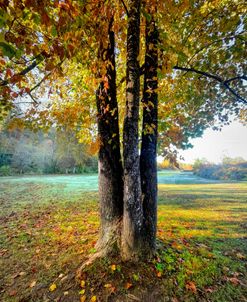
(47,230)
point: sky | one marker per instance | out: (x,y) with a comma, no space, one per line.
(214,145)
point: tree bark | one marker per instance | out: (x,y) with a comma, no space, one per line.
(148,164)
(133,213)
(110,164)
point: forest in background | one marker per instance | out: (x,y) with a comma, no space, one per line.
(52,152)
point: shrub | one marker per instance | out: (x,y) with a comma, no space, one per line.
(5,170)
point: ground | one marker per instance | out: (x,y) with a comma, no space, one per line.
(48,229)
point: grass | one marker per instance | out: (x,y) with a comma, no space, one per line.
(47,231)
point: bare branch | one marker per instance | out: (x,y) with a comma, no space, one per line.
(125,7)
(236,78)
(40,82)
(218,79)
(26,70)
(36,103)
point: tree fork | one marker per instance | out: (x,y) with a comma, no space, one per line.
(148,164)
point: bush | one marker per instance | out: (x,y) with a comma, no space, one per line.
(222,172)
(5,170)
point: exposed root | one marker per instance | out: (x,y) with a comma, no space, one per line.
(108,244)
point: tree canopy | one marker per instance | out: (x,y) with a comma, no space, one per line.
(50,50)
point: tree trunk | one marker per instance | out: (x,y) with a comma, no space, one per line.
(133,214)
(110,164)
(148,164)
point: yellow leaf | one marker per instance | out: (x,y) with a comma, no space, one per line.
(240,256)
(83,298)
(82,292)
(32,284)
(108,285)
(52,287)
(113,267)
(93,299)
(83,283)
(70,228)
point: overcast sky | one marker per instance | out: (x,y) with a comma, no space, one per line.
(214,145)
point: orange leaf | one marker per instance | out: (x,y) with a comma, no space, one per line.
(113,267)
(128,285)
(191,286)
(8,73)
(106,85)
(83,298)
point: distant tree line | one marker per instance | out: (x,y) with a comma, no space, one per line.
(58,151)
(229,169)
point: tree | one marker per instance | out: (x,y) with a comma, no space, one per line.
(194,49)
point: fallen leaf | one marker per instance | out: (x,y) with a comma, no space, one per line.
(13,293)
(15,275)
(108,285)
(132,297)
(32,284)
(52,287)
(83,298)
(113,267)
(240,256)
(66,293)
(2,252)
(93,299)
(191,286)
(82,292)
(234,280)
(159,274)
(128,285)
(83,283)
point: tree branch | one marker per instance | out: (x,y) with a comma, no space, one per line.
(125,7)
(40,82)
(35,63)
(236,78)
(223,82)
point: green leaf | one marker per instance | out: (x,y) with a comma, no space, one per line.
(7,49)
(54,31)
(147,16)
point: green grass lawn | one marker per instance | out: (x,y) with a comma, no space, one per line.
(47,231)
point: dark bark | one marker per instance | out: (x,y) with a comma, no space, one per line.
(148,164)
(110,164)
(133,214)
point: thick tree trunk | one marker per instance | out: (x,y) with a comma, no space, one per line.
(110,164)
(148,164)
(133,214)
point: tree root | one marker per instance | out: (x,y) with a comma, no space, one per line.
(107,245)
